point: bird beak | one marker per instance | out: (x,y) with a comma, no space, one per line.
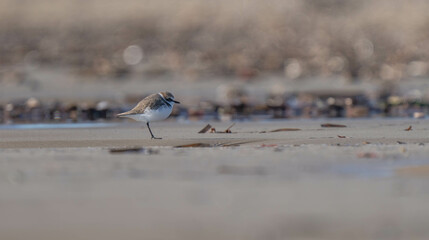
(176,101)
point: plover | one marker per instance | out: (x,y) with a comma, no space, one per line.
(155,107)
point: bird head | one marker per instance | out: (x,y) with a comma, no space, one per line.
(168,97)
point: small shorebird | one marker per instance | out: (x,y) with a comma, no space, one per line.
(155,107)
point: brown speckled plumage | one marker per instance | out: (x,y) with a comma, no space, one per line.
(153,101)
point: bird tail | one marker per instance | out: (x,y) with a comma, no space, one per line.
(124,114)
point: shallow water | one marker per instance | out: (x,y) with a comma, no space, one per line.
(57,125)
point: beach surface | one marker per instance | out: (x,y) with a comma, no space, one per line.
(295,179)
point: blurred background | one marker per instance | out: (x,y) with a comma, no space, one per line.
(79,60)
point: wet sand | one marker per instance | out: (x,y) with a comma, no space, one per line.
(375,131)
(369,180)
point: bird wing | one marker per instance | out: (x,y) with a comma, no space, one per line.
(149,101)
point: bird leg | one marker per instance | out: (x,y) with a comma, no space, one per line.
(153,137)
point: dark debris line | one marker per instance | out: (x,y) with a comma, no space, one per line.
(301,105)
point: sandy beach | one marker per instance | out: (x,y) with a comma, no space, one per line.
(126,134)
(368,180)
(315,118)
